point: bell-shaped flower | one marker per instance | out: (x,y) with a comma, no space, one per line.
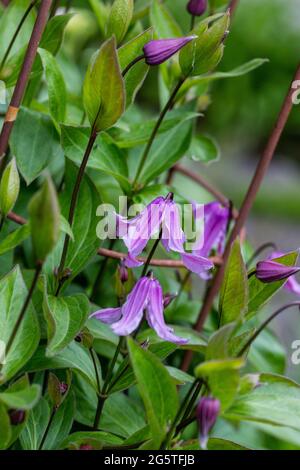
(197,7)
(158,51)
(146,296)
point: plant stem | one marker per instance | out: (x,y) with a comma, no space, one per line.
(232,6)
(2,220)
(151,254)
(193,19)
(74,199)
(22,21)
(132,63)
(103,395)
(23,78)
(24,308)
(101,273)
(255,184)
(156,129)
(259,250)
(265,323)
(47,429)
(180,412)
(92,353)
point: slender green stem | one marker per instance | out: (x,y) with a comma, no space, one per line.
(156,129)
(193,19)
(103,395)
(74,199)
(16,33)
(151,254)
(259,250)
(24,308)
(132,63)
(180,412)
(2,220)
(93,353)
(47,429)
(265,323)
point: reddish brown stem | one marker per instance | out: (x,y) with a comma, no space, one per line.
(232,6)
(255,184)
(21,84)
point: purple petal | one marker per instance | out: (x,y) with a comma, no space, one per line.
(132,310)
(155,316)
(144,226)
(196,263)
(131,262)
(216,220)
(107,315)
(158,51)
(271,271)
(173,237)
(292,285)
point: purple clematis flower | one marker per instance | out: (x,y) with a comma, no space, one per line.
(291,284)
(197,7)
(161,214)
(147,295)
(207,413)
(158,51)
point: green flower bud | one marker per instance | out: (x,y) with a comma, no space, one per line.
(9,188)
(44,220)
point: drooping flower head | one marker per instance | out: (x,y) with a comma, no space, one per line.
(158,51)
(207,412)
(162,214)
(197,7)
(147,295)
(216,218)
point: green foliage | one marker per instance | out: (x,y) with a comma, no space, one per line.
(9,188)
(119,19)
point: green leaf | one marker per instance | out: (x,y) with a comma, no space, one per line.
(96,439)
(9,22)
(65,318)
(36,425)
(5,434)
(54,33)
(157,390)
(119,19)
(203,54)
(179,376)
(203,149)
(23,399)
(139,133)
(35,143)
(135,77)
(13,293)
(163,22)
(218,365)
(267,354)
(57,92)
(104,100)
(85,243)
(74,356)
(276,400)
(234,73)
(105,155)
(14,239)
(260,293)
(213,444)
(166,150)
(61,424)
(218,344)
(44,216)
(9,188)
(234,291)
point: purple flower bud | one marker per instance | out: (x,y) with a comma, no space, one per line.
(85,447)
(159,50)
(16,417)
(197,7)
(123,273)
(271,271)
(168,298)
(63,387)
(207,413)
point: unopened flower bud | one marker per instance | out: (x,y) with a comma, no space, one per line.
(63,387)
(197,7)
(207,413)
(159,50)
(16,417)
(123,272)
(85,447)
(168,298)
(270,271)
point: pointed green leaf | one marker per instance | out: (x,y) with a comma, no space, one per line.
(119,19)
